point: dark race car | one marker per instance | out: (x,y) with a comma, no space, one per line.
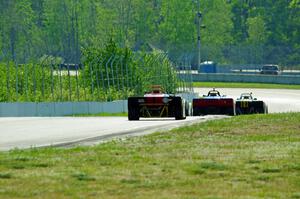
(246,104)
(213,104)
(157,104)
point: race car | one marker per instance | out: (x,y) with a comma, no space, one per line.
(157,104)
(246,104)
(213,104)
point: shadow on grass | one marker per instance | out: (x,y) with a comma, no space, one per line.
(83,177)
(5,175)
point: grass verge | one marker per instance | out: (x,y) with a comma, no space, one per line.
(255,156)
(244,85)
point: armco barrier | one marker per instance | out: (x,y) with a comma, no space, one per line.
(251,78)
(33,109)
(52,109)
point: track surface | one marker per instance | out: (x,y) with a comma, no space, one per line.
(64,131)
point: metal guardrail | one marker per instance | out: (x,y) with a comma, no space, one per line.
(47,109)
(54,109)
(251,78)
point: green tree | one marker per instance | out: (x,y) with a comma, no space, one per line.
(176,28)
(257,36)
(61,32)
(18,29)
(218,28)
(294,32)
(257,32)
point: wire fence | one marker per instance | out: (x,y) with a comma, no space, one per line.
(242,57)
(100,79)
(107,77)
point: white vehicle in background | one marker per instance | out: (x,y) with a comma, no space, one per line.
(270,69)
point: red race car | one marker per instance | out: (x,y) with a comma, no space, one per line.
(156,104)
(213,104)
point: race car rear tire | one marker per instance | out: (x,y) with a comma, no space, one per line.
(239,111)
(266,111)
(260,110)
(230,111)
(180,117)
(133,114)
(187,109)
(179,109)
(133,109)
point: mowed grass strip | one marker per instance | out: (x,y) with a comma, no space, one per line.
(243,85)
(255,156)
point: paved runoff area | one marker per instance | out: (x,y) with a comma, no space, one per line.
(65,131)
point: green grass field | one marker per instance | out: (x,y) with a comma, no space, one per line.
(255,156)
(244,85)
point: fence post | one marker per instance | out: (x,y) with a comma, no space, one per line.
(122,77)
(77,86)
(146,68)
(117,74)
(8,80)
(97,78)
(107,74)
(138,84)
(112,69)
(82,74)
(127,75)
(52,80)
(69,82)
(26,81)
(17,81)
(157,75)
(34,80)
(92,80)
(60,83)
(148,60)
(100,63)
(43,80)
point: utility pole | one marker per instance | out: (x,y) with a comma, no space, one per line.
(199,18)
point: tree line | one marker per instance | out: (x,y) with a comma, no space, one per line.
(236,31)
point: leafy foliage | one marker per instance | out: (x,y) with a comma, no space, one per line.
(122,70)
(234,29)
(108,73)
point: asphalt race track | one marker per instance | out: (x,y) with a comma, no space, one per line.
(66,131)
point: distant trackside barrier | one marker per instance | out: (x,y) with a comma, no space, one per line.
(54,109)
(221,77)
